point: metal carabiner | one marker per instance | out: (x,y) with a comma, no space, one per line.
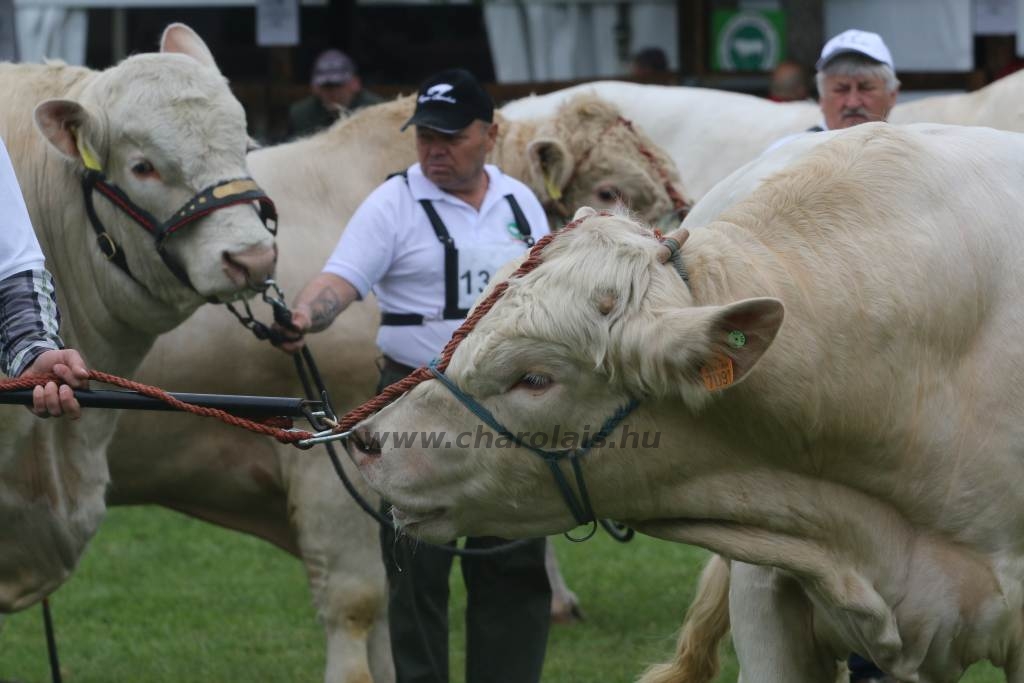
(324,437)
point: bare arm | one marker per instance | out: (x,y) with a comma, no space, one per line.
(317,305)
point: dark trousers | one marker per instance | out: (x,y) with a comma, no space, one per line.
(508,604)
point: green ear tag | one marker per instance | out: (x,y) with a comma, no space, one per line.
(737,339)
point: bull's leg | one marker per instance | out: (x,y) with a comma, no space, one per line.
(772,628)
(1013,667)
(565,606)
(339,545)
(379,644)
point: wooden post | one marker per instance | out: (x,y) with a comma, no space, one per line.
(805,28)
(693,28)
(279,86)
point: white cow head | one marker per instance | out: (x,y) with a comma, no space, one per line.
(588,155)
(602,321)
(162,127)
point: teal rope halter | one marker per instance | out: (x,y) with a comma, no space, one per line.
(580,506)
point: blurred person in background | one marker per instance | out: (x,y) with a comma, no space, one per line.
(335,88)
(856,80)
(789,83)
(856,83)
(650,64)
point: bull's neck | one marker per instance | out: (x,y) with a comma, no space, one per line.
(856,553)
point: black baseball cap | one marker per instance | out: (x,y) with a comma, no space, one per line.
(449,101)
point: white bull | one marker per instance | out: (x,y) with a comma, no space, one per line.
(189,133)
(866,457)
(711,133)
(293,498)
(708,133)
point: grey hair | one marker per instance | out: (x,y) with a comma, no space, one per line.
(856,64)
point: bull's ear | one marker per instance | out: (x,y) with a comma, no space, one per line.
(551,165)
(694,351)
(180,38)
(739,334)
(71,129)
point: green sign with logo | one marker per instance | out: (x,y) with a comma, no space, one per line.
(747,40)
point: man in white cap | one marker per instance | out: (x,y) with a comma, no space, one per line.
(335,88)
(856,80)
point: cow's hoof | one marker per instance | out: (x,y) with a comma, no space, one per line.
(566,613)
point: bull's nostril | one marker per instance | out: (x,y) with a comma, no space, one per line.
(236,270)
(251,266)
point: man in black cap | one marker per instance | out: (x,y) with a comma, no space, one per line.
(427,242)
(335,88)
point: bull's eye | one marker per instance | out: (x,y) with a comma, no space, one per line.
(608,194)
(144,169)
(533,381)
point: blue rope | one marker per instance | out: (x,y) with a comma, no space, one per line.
(582,510)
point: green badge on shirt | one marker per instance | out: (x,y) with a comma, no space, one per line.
(513,230)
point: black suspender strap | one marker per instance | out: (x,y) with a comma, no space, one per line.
(451,264)
(401,319)
(451,261)
(521,222)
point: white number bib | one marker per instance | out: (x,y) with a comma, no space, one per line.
(477,266)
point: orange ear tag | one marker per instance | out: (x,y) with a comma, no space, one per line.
(717,374)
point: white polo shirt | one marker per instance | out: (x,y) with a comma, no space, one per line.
(19,249)
(390,247)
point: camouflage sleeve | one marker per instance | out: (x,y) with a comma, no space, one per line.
(29,319)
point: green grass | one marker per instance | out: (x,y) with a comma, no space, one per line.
(160,597)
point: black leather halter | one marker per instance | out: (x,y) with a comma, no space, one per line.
(215,197)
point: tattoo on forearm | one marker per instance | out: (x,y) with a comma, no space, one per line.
(324,309)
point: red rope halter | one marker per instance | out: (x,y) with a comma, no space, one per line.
(679,203)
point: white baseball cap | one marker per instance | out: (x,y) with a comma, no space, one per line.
(864,42)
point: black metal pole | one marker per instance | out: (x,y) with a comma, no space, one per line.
(51,642)
(242,406)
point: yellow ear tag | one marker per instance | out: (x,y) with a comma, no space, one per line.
(717,373)
(87,157)
(554,191)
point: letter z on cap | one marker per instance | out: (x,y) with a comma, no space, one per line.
(449,101)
